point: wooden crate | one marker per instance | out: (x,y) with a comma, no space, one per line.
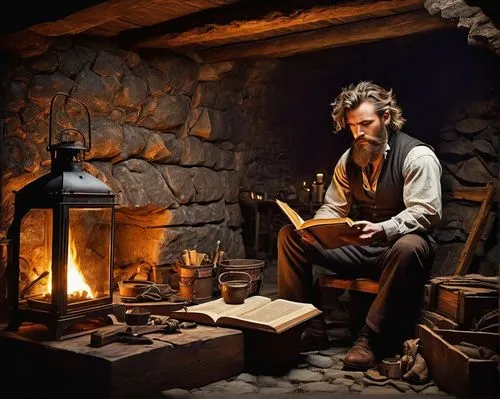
(464,305)
(455,372)
(73,368)
(435,320)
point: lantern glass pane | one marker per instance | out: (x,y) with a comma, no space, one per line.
(89,253)
(35,254)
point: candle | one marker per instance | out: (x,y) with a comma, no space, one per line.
(319,178)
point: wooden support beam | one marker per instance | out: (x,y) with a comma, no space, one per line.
(113,9)
(90,17)
(21,15)
(331,37)
(276,23)
(487,196)
(25,44)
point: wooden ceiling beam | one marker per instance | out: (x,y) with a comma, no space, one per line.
(25,44)
(273,23)
(90,17)
(111,10)
(331,37)
(19,15)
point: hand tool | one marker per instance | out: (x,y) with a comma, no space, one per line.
(131,335)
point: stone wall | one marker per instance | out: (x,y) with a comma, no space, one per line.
(265,158)
(469,154)
(178,141)
(449,99)
(164,131)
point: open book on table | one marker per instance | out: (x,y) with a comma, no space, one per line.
(257,312)
(328,233)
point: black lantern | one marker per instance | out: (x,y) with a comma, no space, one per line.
(62,235)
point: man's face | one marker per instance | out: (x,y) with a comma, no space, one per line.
(369,132)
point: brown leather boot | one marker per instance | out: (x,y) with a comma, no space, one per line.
(314,336)
(361,356)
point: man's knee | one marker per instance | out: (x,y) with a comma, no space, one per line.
(412,250)
(285,234)
(411,244)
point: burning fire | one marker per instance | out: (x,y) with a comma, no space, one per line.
(77,287)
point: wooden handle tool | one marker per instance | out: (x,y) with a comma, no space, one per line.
(107,335)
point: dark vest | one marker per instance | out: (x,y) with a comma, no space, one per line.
(388,199)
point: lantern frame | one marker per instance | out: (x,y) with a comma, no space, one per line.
(66,187)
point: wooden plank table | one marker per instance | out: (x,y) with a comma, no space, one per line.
(200,356)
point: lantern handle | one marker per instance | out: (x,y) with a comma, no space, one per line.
(75,129)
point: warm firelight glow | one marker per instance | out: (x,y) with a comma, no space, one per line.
(76,282)
(77,287)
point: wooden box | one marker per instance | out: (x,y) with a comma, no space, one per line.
(435,320)
(270,353)
(455,372)
(462,304)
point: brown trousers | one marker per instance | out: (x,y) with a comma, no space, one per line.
(401,269)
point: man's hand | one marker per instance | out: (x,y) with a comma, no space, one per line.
(367,232)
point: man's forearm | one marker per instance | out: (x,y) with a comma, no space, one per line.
(410,220)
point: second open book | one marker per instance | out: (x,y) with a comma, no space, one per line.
(257,313)
(327,233)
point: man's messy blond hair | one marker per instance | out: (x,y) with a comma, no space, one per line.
(352,96)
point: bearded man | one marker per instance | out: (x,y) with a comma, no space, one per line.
(391,182)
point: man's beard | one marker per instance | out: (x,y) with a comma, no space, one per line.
(367,152)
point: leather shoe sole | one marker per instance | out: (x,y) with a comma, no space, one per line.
(359,366)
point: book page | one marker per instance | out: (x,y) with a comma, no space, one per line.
(277,309)
(276,316)
(218,307)
(331,221)
(292,215)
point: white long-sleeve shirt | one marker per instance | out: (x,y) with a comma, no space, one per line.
(421,193)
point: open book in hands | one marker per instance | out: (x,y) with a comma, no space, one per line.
(325,233)
(257,313)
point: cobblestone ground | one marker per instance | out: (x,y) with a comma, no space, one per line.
(320,373)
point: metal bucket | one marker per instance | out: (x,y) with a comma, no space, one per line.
(254,267)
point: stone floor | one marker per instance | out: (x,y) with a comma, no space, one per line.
(320,374)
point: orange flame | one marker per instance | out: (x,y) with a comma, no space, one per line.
(76,285)
(76,281)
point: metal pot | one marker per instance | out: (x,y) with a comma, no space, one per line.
(234,286)
(137,316)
